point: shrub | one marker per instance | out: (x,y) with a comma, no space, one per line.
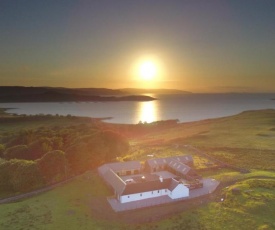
(53,166)
(23,175)
(17,152)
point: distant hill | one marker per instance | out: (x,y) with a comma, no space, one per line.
(47,94)
(153,91)
(60,94)
(21,90)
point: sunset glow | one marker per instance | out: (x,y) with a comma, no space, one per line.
(147,70)
(148,112)
(200,47)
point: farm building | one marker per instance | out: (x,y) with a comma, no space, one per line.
(131,182)
(180,165)
(121,168)
(154,182)
(143,186)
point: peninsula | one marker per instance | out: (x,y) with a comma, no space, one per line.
(45,94)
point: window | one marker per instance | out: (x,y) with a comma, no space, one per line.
(128,196)
(140,194)
(158,191)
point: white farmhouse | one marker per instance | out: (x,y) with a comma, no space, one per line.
(130,183)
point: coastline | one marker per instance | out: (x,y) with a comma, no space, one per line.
(185,108)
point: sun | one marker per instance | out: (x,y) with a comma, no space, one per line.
(147,70)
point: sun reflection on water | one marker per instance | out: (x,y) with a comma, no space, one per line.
(148,112)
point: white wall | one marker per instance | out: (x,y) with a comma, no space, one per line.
(143,195)
(179,192)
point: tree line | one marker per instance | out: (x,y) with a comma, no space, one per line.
(33,158)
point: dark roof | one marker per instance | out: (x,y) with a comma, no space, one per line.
(163,161)
(157,162)
(145,177)
(179,167)
(114,180)
(173,184)
(183,159)
(146,186)
(118,166)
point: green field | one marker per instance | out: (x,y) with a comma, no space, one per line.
(82,204)
(246,140)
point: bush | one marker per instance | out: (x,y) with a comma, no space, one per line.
(90,151)
(2,149)
(53,166)
(17,152)
(20,175)
(38,148)
(5,183)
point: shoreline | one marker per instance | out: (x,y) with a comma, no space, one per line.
(109,119)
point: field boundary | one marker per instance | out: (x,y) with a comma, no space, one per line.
(36,192)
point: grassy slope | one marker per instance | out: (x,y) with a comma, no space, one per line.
(81,204)
(66,207)
(245,140)
(252,129)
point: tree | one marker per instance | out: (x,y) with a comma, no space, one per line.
(39,147)
(5,183)
(24,175)
(53,166)
(80,157)
(57,143)
(17,152)
(116,144)
(2,149)
(89,151)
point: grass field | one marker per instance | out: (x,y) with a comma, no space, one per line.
(82,204)
(246,140)
(251,129)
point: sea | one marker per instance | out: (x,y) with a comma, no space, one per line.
(184,107)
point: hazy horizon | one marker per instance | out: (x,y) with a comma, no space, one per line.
(148,89)
(197,46)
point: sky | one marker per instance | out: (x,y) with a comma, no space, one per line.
(196,45)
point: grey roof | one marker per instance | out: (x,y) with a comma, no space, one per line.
(179,167)
(118,166)
(114,180)
(103,169)
(163,161)
(157,162)
(183,159)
